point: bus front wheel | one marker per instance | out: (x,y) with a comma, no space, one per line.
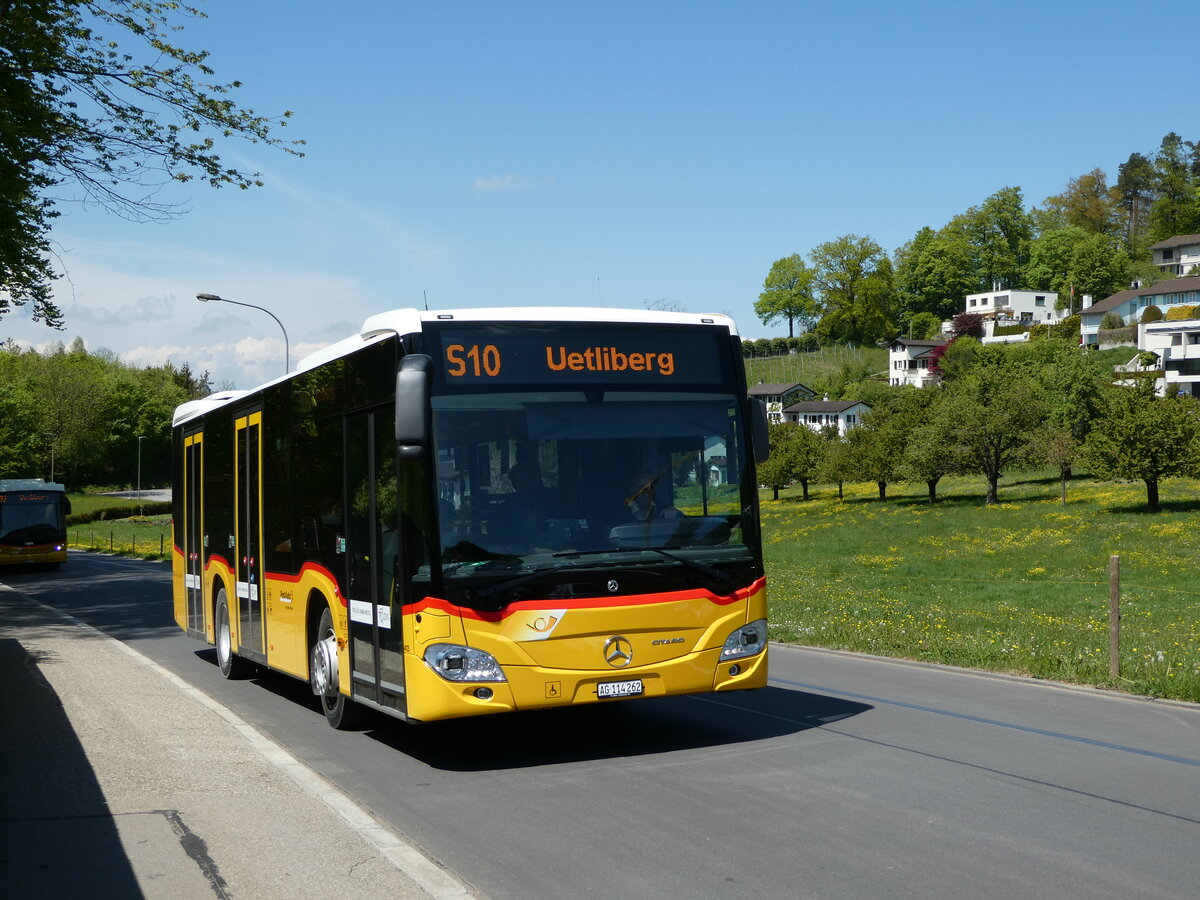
(340,711)
(232,666)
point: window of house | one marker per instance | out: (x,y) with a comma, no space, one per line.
(1039,301)
(1002,300)
(1168,254)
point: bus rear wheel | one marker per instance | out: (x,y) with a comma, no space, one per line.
(340,711)
(232,666)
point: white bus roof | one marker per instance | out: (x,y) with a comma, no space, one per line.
(411,321)
(29,484)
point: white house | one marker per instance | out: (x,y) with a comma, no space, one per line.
(1015,307)
(818,414)
(777,396)
(909,361)
(1177,346)
(1130,304)
(1177,255)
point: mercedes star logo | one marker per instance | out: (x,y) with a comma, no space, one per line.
(613,586)
(618,652)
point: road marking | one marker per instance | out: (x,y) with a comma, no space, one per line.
(1013,726)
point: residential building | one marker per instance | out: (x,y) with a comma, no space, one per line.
(1177,347)
(777,396)
(1015,307)
(1177,255)
(819,414)
(1130,304)
(909,361)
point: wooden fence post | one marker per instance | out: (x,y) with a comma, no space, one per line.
(1114,616)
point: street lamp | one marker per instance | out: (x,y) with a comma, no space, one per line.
(141,437)
(287,362)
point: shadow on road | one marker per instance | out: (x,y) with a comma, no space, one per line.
(57,838)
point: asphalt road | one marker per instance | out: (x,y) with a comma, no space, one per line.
(847,777)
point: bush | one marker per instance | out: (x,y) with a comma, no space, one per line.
(120,512)
(1177,313)
(1151,314)
(1111,321)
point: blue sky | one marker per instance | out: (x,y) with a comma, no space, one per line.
(587,153)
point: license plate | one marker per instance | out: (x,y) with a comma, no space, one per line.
(620,688)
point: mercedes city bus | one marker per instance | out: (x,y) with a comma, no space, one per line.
(475,511)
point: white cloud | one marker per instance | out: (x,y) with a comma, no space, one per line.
(511,182)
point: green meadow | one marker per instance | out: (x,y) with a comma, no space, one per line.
(1020,587)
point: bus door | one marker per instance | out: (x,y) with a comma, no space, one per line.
(372,545)
(248,534)
(193,532)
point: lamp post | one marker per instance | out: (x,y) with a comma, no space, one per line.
(287,362)
(141,437)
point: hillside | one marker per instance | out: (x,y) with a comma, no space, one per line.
(817,369)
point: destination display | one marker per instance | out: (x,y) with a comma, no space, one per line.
(593,355)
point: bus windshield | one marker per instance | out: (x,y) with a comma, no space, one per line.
(553,493)
(31,518)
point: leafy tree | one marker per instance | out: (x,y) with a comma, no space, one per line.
(1088,203)
(1097,267)
(1135,190)
(837,465)
(1142,437)
(930,454)
(877,448)
(1001,232)
(777,471)
(1049,267)
(1111,320)
(967,325)
(924,326)
(995,407)
(935,271)
(85,118)
(1176,209)
(854,281)
(787,294)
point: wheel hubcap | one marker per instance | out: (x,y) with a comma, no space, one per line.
(324,667)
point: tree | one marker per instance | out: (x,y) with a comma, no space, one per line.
(854,282)
(82,117)
(995,407)
(1001,232)
(1088,203)
(877,448)
(935,270)
(967,325)
(1142,437)
(930,454)
(787,294)
(796,453)
(924,326)
(1135,190)
(1049,266)
(1176,209)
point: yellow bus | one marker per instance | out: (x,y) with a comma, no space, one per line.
(33,523)
(477,511)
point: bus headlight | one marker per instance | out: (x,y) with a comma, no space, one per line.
(747,640)
(454,662)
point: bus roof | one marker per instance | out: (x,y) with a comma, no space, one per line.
(29,484)
(411,321)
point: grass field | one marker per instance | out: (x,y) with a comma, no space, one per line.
(148,536)
(1021,587)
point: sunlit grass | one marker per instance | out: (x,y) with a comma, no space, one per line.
(1019,587)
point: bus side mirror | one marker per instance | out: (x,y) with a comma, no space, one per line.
(66,505)
(413,381)
(761,437)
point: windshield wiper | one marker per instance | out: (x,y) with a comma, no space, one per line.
(722,580)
